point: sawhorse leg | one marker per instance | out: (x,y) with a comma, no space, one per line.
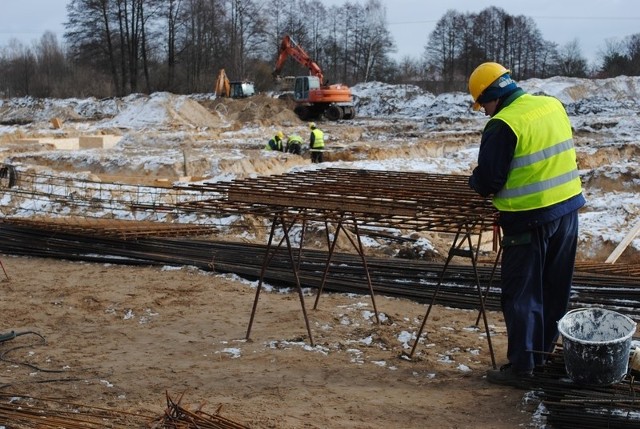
(294,265)
(360,249)
(457,250)
(4,271)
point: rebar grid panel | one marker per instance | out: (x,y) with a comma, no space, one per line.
(42,194)
(408,200)
(124,229)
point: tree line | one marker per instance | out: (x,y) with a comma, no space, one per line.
(118,47)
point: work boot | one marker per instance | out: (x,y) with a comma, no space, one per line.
(507,376)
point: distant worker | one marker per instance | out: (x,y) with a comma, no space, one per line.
(276,142)
(294,144)
(316,143)
(527,164)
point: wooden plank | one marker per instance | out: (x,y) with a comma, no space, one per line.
(623,244)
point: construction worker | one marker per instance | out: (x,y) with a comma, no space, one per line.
(276,142)
(316,143)
(527,163)
(294,144)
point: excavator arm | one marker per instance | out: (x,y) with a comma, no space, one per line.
(223,86)
(289,48)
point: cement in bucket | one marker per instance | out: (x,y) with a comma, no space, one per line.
(596,344)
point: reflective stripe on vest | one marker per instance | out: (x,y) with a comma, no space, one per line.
(318,142)
(544,169)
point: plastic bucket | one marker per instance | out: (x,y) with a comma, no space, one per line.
(596,344)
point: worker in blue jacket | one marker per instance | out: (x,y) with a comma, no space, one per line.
(527,163)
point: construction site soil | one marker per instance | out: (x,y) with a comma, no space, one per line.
(114,341)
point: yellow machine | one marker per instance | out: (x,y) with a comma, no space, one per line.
(234,89)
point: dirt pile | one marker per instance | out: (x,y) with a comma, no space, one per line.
(163,111)
(261,110)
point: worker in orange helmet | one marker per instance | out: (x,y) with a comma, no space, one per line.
(527,164)
(316,143)
(276,142)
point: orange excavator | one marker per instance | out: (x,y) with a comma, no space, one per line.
(312,96)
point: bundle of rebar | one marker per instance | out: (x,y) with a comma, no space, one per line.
(568,405)
(404,278)
(121,228)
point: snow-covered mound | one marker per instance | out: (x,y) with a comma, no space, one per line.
(624,89)
(397,127)
(162,109)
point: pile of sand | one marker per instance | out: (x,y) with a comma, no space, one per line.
(261,109)
(163,110)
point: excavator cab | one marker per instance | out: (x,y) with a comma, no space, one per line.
(303,85)
(241,89)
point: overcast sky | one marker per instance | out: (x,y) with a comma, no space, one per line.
(591,22)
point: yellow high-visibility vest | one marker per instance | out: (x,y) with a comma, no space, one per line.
(294,138)
(544,170)
(318,142)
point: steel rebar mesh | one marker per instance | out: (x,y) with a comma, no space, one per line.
(415,201)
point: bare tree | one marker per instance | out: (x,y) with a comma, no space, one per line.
(91,38)
(489,29)
(374,41)
(18,69)
(443,46)
(246,33)
(409,70)
(52,71)
(130,21)
(621,57)
(204,43)
(633,52)
(570,61)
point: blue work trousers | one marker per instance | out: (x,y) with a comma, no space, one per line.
(537,271)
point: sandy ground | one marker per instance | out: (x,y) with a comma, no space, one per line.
(122,337)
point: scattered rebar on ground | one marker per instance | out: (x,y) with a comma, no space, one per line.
(25,412)
(177,416)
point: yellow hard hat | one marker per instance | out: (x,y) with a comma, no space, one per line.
(482,77)
(312,125)
(280,135)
